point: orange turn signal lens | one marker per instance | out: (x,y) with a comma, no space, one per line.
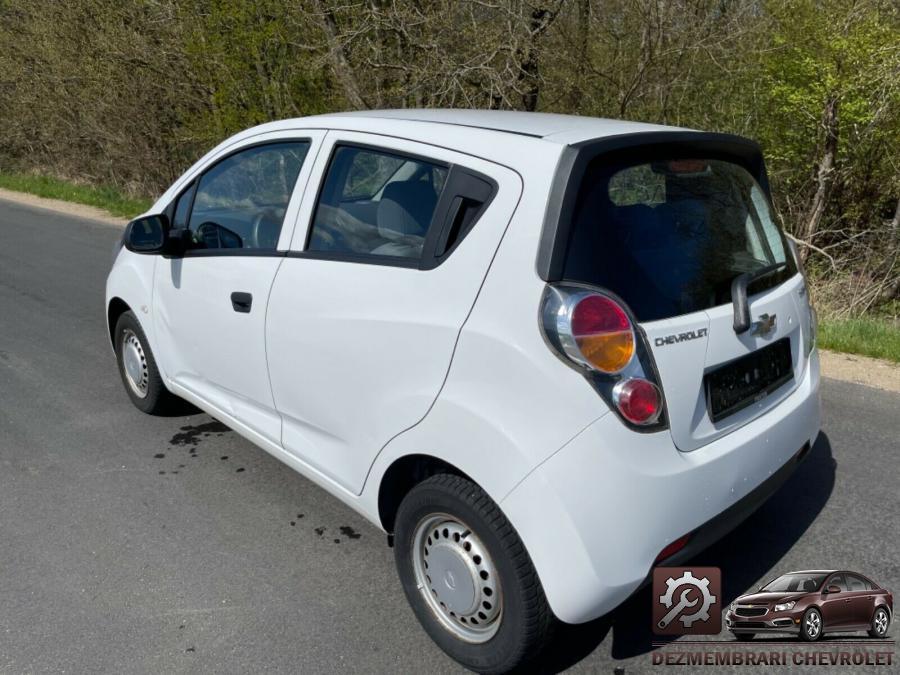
(603,333)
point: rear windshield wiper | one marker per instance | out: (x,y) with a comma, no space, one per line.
(739,294)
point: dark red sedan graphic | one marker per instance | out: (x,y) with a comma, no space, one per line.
(812,603)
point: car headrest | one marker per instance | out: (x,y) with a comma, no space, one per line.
(405,209)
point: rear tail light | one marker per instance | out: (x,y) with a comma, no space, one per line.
(673,548)
(595,333)
(638,400)
(603,333)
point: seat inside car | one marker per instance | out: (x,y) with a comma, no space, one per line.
(403,216)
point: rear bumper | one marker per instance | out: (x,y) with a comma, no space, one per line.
(597,513)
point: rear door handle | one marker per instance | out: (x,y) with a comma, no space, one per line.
(241,302)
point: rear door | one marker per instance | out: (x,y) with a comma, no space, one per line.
(365,312)
(210,303)
(863,599)
(669,235)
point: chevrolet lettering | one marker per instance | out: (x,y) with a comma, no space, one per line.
(681,337)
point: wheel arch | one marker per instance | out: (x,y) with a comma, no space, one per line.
(403,474)
(114,309)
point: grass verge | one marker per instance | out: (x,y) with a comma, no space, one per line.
(107,198)
(879,338)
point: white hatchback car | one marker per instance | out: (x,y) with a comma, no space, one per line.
(544,353)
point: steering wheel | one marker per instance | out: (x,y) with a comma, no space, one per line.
(265,229)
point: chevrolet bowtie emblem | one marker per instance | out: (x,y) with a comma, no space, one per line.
(750,606)
(765,325)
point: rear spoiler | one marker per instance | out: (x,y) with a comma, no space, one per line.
(576,158)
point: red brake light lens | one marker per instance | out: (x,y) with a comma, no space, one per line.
(688,166)
(638,400)
(673,548)
(603,333)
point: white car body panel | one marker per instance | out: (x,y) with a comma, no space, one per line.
(690,425)
(583,563)
(358,352)
(342,369)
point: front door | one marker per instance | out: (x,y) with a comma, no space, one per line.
(837,608)
(210,303)
(364,317)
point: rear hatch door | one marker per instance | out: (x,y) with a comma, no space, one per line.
(668,233)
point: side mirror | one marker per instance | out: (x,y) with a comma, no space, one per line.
(147,234)
(833,589)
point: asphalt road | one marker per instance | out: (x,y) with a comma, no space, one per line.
(133,544)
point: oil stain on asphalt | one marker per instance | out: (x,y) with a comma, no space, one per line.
(191,435)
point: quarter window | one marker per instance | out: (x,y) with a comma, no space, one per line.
(241,201)
(183,207)
(376,203)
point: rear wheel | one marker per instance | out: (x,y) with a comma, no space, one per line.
(468,577)
(137,367)
(811,625)
(880,623)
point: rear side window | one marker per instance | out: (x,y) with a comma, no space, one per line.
(669,236)
(856,583)
(376,203)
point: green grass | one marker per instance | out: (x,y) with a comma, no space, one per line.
(870,337)
(110,199)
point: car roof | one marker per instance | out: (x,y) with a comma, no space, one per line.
(815,572)
(562,129)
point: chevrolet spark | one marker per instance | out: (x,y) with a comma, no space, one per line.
(543,353)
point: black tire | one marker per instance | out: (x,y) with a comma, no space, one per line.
(157,400)
(805,627)
(526,622)
(873,628)
(744,637)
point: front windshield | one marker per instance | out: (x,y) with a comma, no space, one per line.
(801,583)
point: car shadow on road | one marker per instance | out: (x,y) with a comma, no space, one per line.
(744,556)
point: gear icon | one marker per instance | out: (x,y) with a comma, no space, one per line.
(702,585)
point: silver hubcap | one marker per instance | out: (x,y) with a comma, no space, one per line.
(881,622)
(134,364)
(457,578)
(812,624)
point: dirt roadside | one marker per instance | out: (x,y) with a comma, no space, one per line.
(69,208)
(848,367)
(861,369)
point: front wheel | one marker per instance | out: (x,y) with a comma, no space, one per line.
(137,367)
(811,625)
(744,637)
(880,623)
(468,576)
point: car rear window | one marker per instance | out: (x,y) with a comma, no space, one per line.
(670,235)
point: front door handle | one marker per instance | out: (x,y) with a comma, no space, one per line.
(848,600)
(241,302)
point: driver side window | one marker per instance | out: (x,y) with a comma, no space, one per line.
(240,202)
(838,580)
